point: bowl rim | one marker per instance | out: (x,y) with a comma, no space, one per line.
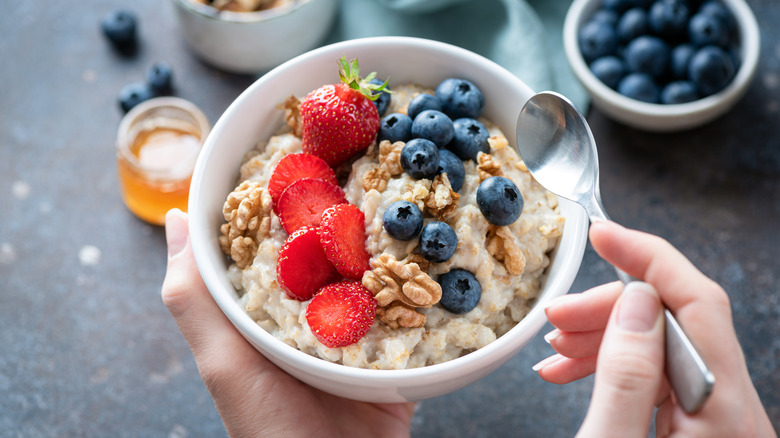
(750,46)
(211,13)
(474,361)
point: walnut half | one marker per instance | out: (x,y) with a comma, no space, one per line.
(403,283)
(247,213)
(501,245)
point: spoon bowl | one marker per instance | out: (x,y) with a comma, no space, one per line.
(559,150)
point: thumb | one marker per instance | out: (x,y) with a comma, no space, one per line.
(630,365)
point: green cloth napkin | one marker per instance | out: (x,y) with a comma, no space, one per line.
(524,36)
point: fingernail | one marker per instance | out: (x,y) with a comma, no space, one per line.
(175,231)
(559,300)
(553,335)
(547,361)
(639,307)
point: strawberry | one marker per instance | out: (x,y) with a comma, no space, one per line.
(341,313)
(302,267)
(343,237)
(302,203)
(293,167)
(340,120)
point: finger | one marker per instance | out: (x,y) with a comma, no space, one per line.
(561,370)
(584,312)
(655,261)
(211,336)
(575,344)
(630,365)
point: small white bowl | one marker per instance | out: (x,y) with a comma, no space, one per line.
(254,42)
(658,117)
(255,115)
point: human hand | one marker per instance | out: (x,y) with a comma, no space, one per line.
(252,395)
(621,338)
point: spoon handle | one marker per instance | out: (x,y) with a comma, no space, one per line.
(688,375)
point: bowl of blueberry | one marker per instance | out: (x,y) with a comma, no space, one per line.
(662,65)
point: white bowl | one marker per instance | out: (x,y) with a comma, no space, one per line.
(658,117)
(254,116)
(254,42)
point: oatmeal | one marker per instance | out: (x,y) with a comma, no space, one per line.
(412,328)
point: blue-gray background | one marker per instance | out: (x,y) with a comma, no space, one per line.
(88,349)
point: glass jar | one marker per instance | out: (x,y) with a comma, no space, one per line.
(157,145)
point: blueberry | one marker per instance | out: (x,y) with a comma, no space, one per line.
(707,29)
(159,76)
(618,6)
(639,86)
(609,69)
(420,158)
(450,164)
(632,24)
(597,39)
(403,220)
(681,57)
(606,16)
(717,9)
(647,54)
(434,126)
(422,102)
(395,127)
(438,242)
(132,94)
(119,27)
(499,200)
(679,92)
(669,19)
(383,101)
(711,69)
(460,98)
(470,138)
(460,291)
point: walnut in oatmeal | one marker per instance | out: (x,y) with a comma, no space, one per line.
(247,212)
(395,283)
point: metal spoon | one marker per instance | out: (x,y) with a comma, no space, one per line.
(558,148)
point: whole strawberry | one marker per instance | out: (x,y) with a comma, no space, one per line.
(340,120)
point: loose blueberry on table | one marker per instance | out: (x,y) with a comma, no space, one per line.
(134,93)
(159,76)
(662,43)
(119,27)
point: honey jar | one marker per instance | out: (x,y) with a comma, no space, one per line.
(157,145)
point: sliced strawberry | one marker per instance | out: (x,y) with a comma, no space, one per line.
(302,267)
(340,314)
(293,167)
(343,237)
(303,202)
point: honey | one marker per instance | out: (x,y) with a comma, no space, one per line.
(157,147)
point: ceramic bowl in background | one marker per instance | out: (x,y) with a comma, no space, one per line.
(255,116)
(659,117)
(254,42)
